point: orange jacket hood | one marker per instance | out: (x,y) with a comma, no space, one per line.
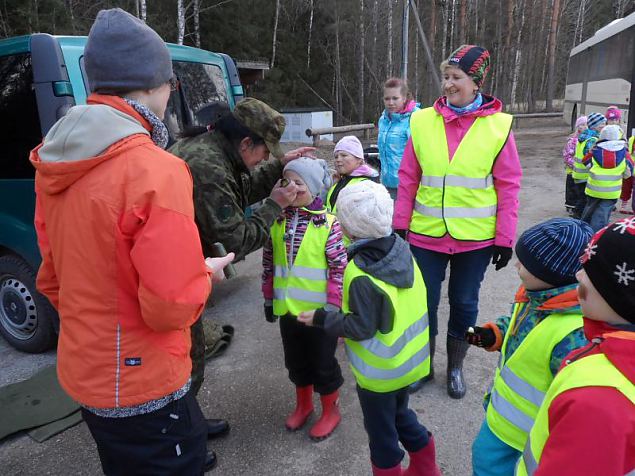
(78,142)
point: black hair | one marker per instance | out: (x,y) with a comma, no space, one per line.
(235,131)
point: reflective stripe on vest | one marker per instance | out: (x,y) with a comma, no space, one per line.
(630,144)
(592,371)
(520,381)
(303,286)
(605,183)
(458,196)
(580,172)
(391,361)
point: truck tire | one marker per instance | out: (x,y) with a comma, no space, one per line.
(27,319)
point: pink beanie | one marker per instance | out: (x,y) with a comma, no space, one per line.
(613,113)
(580,121)
(350,144)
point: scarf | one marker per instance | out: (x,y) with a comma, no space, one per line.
(159,133)
(473,106)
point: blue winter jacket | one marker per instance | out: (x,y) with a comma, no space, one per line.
(394,132)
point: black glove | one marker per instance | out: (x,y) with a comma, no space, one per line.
(269,314)
(501,256)
(481,337)
(402,233)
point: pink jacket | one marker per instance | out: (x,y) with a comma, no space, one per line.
(507,176)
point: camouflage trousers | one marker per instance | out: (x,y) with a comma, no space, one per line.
(206,336)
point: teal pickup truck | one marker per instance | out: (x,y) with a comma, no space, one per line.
(41,77)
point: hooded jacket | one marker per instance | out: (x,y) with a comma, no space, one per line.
(592,429)
(121,257)
(609,154)
(507,176)
(394,132)
(589,135)
(387,259)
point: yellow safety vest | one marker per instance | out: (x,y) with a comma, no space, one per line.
(301,286)
(458,196)
(604,183)
(592,371)
(389,362)
(330,193)
(580,172)
(345,239)
(630,144)
(521,381)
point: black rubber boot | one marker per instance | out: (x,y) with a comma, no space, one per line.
(413,387)
(457,348)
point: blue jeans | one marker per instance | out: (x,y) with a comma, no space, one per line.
(491,456)
(467,270)
(597,212)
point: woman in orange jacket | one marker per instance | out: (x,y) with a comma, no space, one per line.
(121,257)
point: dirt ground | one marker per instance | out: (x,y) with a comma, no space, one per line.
(248,385)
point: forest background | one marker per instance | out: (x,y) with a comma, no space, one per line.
(336,54)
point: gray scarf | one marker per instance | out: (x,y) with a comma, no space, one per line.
(159,132)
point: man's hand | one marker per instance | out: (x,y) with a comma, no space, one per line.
(284,196)
(216,265)
(297,153)
(306,318)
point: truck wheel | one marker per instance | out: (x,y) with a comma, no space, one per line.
(27,318)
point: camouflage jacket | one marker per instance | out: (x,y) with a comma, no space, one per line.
(224,188)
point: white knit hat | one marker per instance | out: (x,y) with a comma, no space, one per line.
(365,210)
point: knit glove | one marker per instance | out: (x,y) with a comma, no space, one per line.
(480,336)
(501,256)
(402,233)
(269,314)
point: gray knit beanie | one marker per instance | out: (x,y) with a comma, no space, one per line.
(314,172)
(365,210)
(124,54)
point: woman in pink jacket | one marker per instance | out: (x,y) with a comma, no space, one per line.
(458,197)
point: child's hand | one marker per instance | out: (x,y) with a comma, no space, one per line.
(306,318)
(480,336)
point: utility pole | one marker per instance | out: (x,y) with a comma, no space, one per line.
(426,47)
(404,40)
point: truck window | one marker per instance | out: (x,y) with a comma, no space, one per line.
(19,122)
(199,85)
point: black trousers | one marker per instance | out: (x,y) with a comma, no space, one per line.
(169,441)
(309,356)
(580,202)
(388,421)
(570,192)
(197,354)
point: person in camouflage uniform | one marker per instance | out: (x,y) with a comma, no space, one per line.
(230,167)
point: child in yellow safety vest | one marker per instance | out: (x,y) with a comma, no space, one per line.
(586,423)
(303,267)
(545,325)
(608,163)
(568,155)
(385,322)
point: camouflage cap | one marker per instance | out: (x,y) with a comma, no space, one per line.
(262,120)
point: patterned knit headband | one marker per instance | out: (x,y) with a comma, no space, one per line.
(472,60)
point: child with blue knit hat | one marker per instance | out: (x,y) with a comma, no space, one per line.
(544,326)
(586,141)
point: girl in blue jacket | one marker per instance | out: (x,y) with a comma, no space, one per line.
(394,131)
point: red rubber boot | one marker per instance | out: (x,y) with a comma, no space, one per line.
(423,462)
(330,417)
(303,408)
(394,471)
